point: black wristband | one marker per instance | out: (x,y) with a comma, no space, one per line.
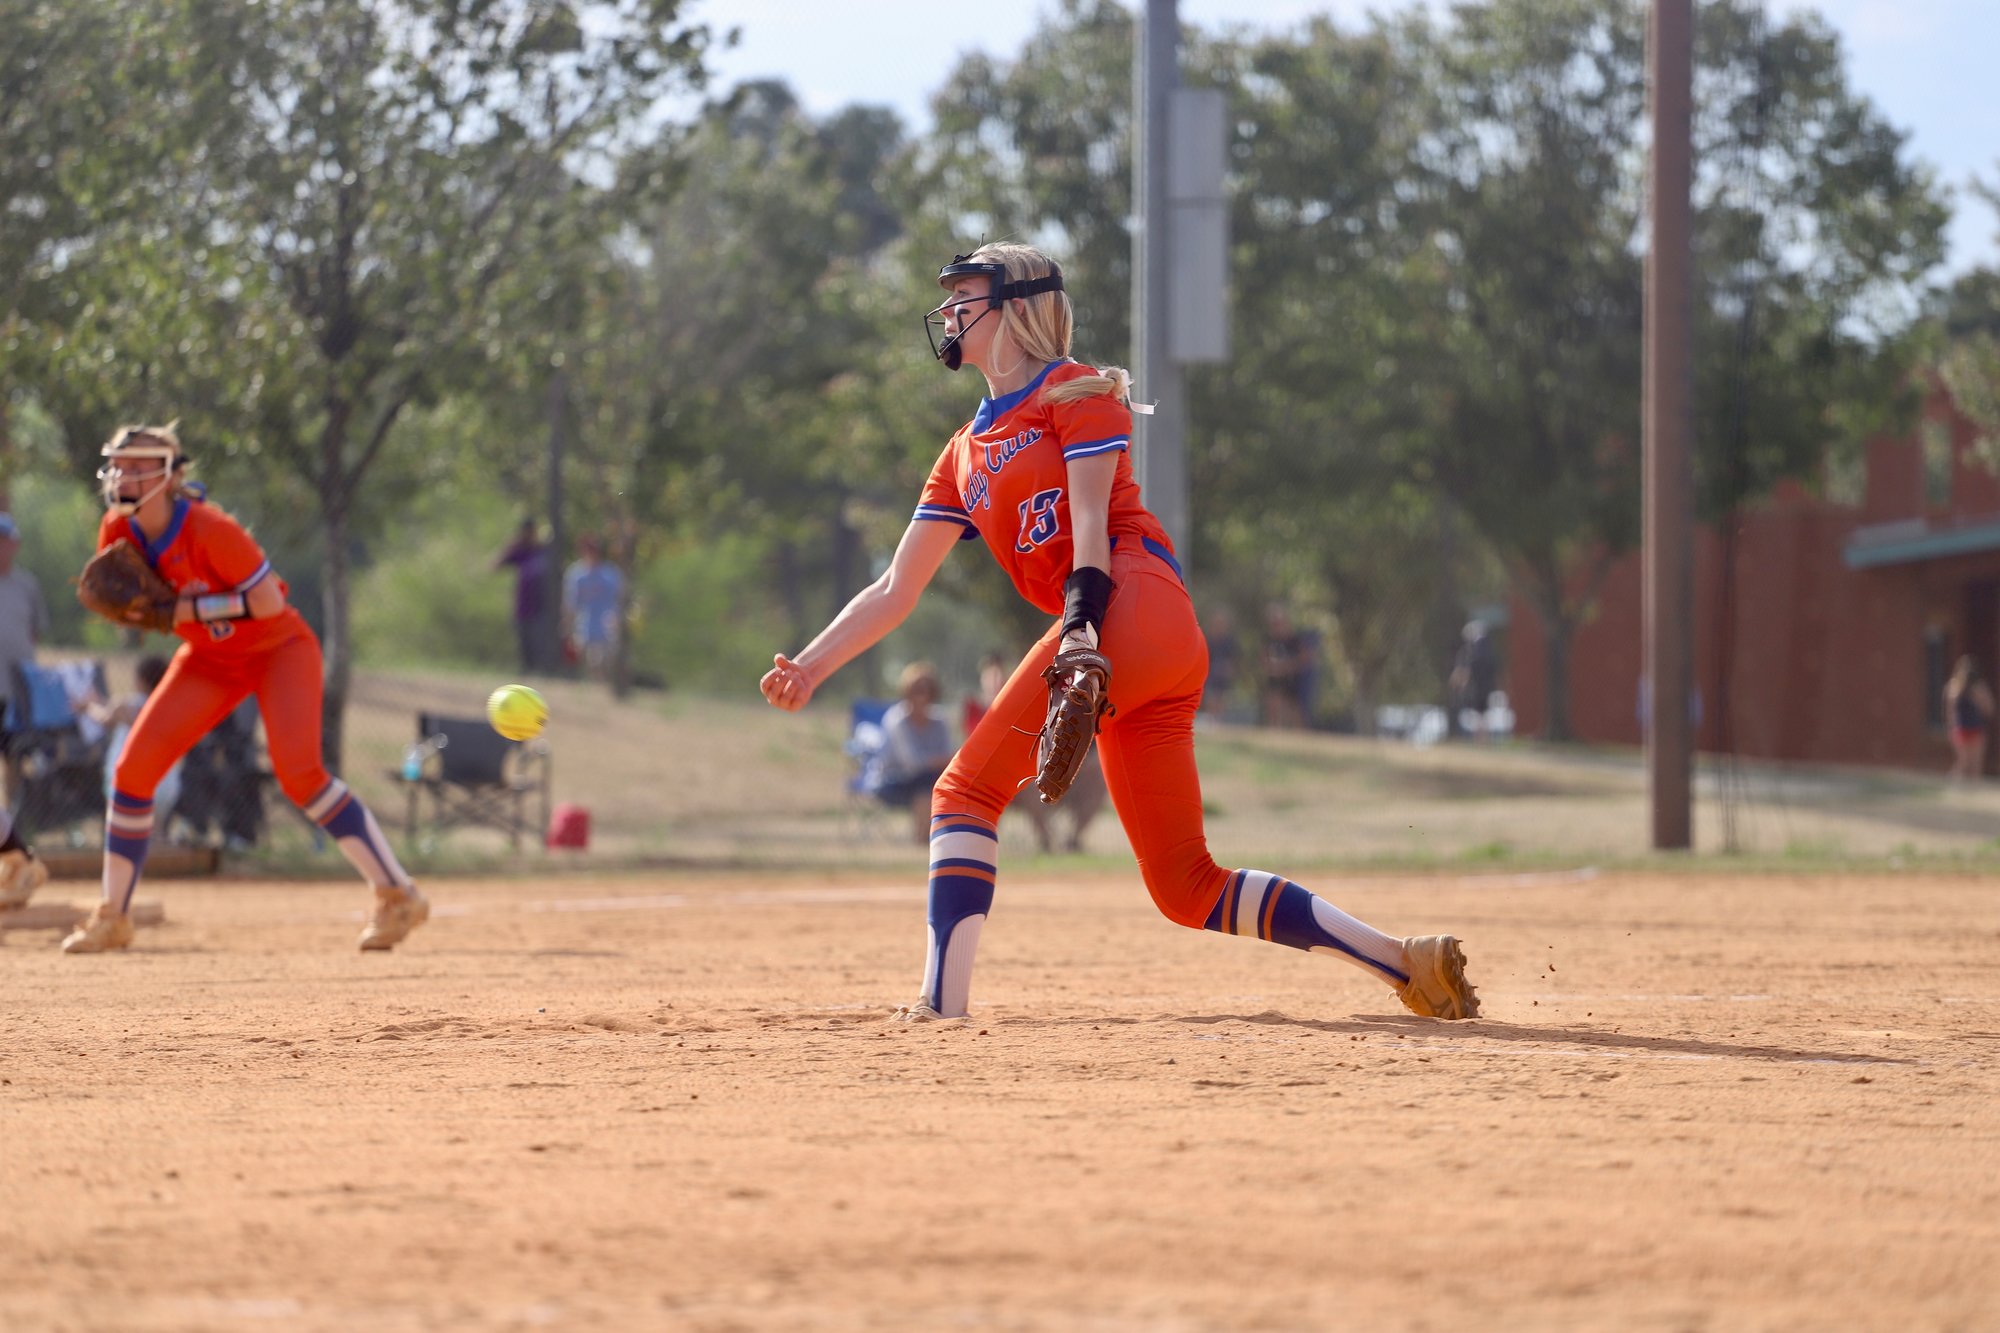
(1086,593)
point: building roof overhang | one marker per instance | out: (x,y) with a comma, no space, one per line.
(1909,541)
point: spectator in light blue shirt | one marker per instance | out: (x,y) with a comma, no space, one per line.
(593,597)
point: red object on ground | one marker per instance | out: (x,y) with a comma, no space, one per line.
(569,826)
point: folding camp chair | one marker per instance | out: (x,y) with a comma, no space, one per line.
(866,747)
(475,777)
(59,753)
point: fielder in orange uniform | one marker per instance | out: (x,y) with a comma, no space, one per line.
(239,637)
(1042,473)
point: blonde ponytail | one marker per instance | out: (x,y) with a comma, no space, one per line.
(1113,380)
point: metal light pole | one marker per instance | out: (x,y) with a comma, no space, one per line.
(1669,426)
(1180,256)
(1159,440)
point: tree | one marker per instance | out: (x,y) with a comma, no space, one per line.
(1809,218)
(1968,362)
(364,175)
(706,346)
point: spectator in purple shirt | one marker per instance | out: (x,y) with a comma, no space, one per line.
(530,561)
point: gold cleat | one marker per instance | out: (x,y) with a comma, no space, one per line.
(397,913)
(1437,987)
(21,873)
(102,931)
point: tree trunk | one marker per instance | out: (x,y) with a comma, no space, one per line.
(1556,634)
(335,641)
(791,592)
(624,557)
(548,652)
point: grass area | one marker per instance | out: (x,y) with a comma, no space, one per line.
(675,779)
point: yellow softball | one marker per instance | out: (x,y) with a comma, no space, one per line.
(517,712)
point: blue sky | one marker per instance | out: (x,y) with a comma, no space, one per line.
(1929,64)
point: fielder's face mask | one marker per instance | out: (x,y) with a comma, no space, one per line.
(998,292)
(145,461)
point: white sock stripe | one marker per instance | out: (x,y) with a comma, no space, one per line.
(384,853)
(954,983)
(964,847)
(1382,950)
(1257,885)
(120,878)
(370,855)
(931,961)
(323,804)
(125,823)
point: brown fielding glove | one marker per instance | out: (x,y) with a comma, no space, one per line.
(1079,695)
(119,585)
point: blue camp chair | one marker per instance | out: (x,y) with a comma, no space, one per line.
(866,746)
(60,762)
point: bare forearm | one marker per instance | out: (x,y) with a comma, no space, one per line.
(864,622)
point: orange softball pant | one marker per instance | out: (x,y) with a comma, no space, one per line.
(1159,661)
(202,688)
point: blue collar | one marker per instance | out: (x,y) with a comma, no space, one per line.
(992,409)
(154,550)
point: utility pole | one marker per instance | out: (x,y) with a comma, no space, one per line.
(1180,257)
(1159,440)
(1669,427)
(556,552)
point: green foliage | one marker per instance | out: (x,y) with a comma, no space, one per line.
(703,618)
(436,599)
(383,255)
(58,519)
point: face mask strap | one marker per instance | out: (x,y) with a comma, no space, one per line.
(999,292)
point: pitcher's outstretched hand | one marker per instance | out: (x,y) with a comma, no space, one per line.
(786,684)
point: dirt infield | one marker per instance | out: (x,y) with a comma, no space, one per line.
(1695,1103)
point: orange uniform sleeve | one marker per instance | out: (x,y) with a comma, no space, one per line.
(111,530)
(1100,424)
(941,502)
(229,550)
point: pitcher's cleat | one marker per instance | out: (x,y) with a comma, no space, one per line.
(1437,986)
(918,1012)
(397,913)
(101,931)
(21,873)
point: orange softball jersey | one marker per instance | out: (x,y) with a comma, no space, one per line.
(205,550)
(1004,476)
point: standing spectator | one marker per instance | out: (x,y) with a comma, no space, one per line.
(529,559)
(1225,662)
(593,593)
(1475,674)
(1968,702)
(1306,683)
(1087,793)
(24,621)
(1284,663)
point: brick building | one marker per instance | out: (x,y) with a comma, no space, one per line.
(1838,628)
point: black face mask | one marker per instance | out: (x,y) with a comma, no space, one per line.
(948,350)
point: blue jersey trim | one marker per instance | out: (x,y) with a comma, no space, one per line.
(992,409)
(173,529)
(1090,448)
(939,514)
(1161,550)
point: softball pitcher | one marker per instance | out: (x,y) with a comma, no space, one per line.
(1042,474)
(240,636)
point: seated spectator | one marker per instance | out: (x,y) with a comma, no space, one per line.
(917,745)
(1087,794)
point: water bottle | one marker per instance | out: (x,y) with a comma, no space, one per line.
(413,763)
